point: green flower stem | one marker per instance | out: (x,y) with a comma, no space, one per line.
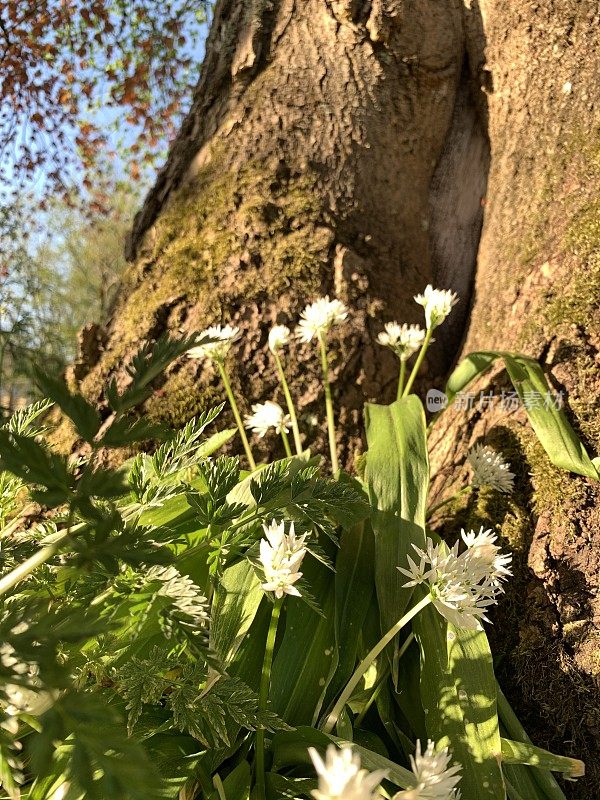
(368,660)
(46,553)
(418,362)
(290,403)
(329,406)
(36,560)
(431,511)
(286,443)
(402,378)
(236,414)
(263,697)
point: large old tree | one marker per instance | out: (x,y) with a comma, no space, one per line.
(365,148)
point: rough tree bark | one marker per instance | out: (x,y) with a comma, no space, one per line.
(352,147)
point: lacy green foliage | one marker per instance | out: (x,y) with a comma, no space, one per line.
(133,624)
(118,606)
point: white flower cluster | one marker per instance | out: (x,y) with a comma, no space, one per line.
(281,557)
(489,469)
(318,317)
(438,303)
(267,415)
(404,340)
(215,342)
(279,336)
(341,776)
(436,780)
(462,586)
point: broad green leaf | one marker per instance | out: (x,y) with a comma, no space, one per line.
(512,792)
(215,442)
(354,579)
(236,601)
(471,367)
(549,422)
(373,761)
(520,783)
(521,776)
(291,748)
(397,477)
(303,661)
(524,753)
(458,691)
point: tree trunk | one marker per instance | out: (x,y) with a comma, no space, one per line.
(352,147)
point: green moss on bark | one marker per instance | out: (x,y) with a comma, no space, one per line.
(231,245)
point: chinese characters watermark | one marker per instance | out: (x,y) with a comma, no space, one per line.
(507,400)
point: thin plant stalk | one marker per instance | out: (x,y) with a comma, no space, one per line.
(368,660)
(329,406)
(263,697)
(36,560)
(290,403)
(418,362)
(25,569)
(402,378)
(286,443)
(236,414)
(465,490)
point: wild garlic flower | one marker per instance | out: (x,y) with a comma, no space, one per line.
(490,469)
(435,779)
(219,340)
(485,560)
(340,775)
(265,416)
(462,586)
(438,303)
(279,336)
(404,340)
(281,556)
(318,317)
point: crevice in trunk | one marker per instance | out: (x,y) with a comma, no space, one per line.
(456,201)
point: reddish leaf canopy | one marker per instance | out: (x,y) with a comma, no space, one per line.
(66,66)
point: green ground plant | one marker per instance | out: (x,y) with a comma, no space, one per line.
(194,625)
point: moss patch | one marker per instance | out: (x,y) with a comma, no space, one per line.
(230,246)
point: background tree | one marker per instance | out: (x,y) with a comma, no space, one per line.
(69,69)
(54,284)
(352,147)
